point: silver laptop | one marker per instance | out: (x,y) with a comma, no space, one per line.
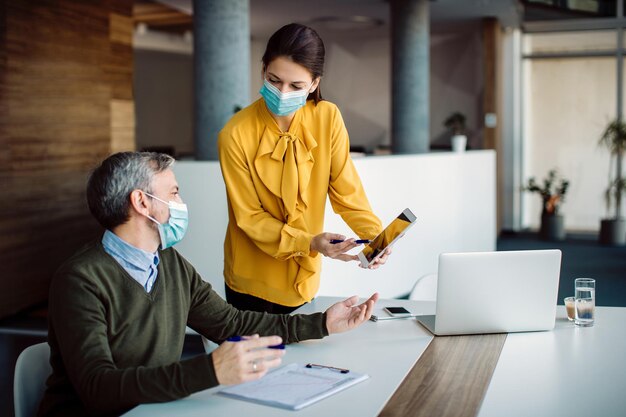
(495,292)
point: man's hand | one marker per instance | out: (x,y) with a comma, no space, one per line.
(247,360)
(345,315)
(321,243)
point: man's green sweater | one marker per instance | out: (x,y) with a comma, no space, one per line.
(114,346)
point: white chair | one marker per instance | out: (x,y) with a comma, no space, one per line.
(31,371)
(425,289)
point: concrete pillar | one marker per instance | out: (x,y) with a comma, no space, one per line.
(221,68)
(410,104)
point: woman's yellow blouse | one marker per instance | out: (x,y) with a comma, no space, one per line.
(277,183)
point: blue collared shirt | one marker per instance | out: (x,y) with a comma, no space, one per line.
(139,264)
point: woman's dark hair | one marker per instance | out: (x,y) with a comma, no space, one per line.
(303,46)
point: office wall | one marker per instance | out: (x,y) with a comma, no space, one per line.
(455,211)
(568,103)
(511,122)
(65,103)
(457,80)
(164,93)
(358,79)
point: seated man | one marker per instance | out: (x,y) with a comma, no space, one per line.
(118,308)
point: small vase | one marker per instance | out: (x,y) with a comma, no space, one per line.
(613,232)
(459,142)
(552,227)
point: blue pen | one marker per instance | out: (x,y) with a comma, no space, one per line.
(239,339)
(359,241)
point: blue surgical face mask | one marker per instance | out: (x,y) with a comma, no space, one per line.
(174,230)
(282,104)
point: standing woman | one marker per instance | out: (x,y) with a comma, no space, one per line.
(280,158)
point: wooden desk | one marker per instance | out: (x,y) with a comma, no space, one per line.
(449,379)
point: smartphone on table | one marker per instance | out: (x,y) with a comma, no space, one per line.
(397,311)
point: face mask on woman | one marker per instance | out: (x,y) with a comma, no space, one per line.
(282,104)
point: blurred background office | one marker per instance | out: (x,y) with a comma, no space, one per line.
(532,85)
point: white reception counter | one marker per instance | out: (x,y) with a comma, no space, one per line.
(452,195)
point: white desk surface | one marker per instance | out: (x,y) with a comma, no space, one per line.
(386,351)
(571,371)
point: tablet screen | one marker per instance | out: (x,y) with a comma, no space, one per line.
(392,232)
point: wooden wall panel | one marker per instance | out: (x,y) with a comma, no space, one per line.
(65,65)
(122,125)
(122,107)
(492,103)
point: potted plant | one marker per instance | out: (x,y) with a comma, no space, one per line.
(553,195)
(456,123)
(613,228)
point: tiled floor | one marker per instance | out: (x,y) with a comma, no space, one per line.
(582,256)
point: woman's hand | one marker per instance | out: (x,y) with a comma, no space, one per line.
(380,260)
(321,243)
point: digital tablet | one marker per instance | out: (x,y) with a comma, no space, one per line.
(396,229)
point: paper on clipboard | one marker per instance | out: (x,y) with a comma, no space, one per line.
(294,386)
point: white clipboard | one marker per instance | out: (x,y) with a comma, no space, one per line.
(294,386)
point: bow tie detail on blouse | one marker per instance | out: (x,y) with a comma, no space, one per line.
(284,163)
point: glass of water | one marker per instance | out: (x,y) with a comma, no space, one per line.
(584,301)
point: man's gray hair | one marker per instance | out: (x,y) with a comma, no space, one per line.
(110,184)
